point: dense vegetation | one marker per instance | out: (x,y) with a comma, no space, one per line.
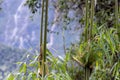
(95,57)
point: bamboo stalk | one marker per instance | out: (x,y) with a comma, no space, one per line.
(116,13)
(64,46)
(42,25)
(40,57)
(86,34)
(41,34)
(86,20)
(92,17)
(117,18)
(45,38)
(87,73)
(88,31)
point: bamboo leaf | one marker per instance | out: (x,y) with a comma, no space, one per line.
(10,77)
(23,68)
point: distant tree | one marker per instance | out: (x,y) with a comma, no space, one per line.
(0,4)
(33,5)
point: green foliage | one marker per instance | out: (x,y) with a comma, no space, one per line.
(102,54)
(10,77)
(33,5)
(57,68)
(103,57)
(23,68)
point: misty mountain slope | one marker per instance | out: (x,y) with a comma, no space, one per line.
(16,27)
(8,58)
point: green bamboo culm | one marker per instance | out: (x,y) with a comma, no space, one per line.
(41,43)
(41,29)
(87,73)
(86,34)
(117,18)
(92,18)
(40,57)
(116,13)
(86,20)
(45,37)
(88,31)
